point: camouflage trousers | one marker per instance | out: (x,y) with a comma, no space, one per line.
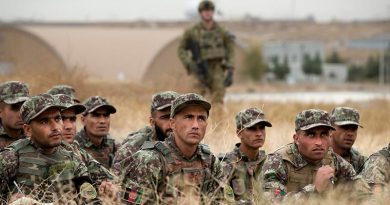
(213,88)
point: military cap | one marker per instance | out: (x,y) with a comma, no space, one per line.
(345,116)
(311,118)
(36,105)
(95,102)
(69,103)
(188,99)
(206,5)
(249,117)
(12,92)
(63,89)
(163,100)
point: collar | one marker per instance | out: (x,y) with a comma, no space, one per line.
(242,156)
(87,143)
(299,161)
(170,141)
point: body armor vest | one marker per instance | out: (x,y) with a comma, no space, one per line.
(182,176)
(299,177)
(105,156)
(40,175)
(211,42)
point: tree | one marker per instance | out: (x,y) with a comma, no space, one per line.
(334,58)
(312,66)
(280,70)
(254,65)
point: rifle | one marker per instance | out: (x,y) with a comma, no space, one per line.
(201,65)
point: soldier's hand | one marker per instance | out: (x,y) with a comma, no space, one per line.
(108,190)
(229,77)
(15,197)
(323,178)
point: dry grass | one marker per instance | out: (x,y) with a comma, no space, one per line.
(133,101)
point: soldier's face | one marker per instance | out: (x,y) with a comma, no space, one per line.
(189,125)
(10,116)
(252,137)
(313,143)
(344,136)
(97,123)
(69,120)
(160,121)
(207,15)
(45,130)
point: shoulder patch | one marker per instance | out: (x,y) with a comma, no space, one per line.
(148,145)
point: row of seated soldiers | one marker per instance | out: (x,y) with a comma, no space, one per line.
(44,158)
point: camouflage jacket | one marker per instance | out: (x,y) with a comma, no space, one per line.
(161,174)
(377,168)
(6,140)
(357,160)
(104,153)
(216,43)
(96,171)
(287,175)
(42,176)
(131,145)
(243,174)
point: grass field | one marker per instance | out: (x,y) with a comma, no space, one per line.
(132,102)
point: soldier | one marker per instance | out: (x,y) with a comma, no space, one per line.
(243,165)
(94,137)
(64,89)
(97,172)
(39,166)
(346,122)
(211,48)
(377,171)
(306,167)
(12,96)
(158,130)
(179,170)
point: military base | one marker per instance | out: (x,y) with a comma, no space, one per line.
(209,107)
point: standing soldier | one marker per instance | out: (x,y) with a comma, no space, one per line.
(346,122)
(12,96)
(306,167)
(97,172)
(377,172)
(38,165)
(64,89)
(94,137)
(179,170)
(158,130)
(211,48)
(243,165)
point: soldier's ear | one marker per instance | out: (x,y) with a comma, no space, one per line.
(295,137)
(152,122)
(172,123)
(27,130)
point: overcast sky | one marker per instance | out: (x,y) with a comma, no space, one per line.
(126,10)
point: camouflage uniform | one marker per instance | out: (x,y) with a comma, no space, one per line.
(97,172)
(347,116)
(160,173)
(10,93)
(287,175)
(43,177)
(377,170)
(134,141)
(244,173)
(105,152)
(216,47)
(64,89)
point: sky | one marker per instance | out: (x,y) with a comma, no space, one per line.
(173,10)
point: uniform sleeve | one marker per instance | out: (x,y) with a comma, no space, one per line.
(183,53)
(274,176)
(141,180)
(376,170)
(127,149)
(8,166)
(97,172)
(229,46)
(344,170)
